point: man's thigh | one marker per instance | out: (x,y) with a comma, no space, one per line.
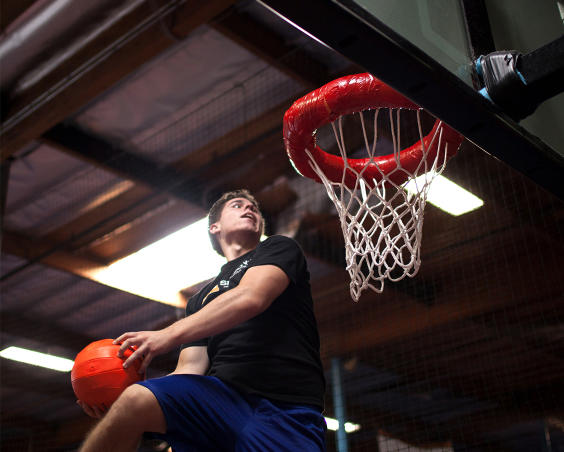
(201,412)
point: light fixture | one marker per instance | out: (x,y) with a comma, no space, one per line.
(160,270)
(37,359)
(446,195)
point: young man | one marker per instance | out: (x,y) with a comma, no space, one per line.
(249,376)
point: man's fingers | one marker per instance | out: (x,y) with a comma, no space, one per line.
(144,364)
(145,360)
(124,346)
(120,339)
(86,408)
(99,412)
(142,346)
(137,354)
(91,411)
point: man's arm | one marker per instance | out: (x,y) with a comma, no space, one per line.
(193,360)
(257,290)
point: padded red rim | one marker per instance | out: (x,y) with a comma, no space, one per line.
(346,95)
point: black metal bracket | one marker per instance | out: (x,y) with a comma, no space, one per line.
(519,83)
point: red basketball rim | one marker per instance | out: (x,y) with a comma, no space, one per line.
(352,94)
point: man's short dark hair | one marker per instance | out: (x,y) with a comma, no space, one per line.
(215,212)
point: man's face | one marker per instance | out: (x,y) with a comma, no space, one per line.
(238,215)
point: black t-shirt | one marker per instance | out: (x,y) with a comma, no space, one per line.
(275,354)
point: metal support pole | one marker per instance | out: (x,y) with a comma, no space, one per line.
(4,177)
(339,404)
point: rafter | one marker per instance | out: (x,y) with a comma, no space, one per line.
(126,164)
(49,253)
(260,40)
(37,110)
(10,10)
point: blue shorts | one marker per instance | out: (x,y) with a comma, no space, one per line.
(204,414)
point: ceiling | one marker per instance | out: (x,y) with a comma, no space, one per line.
(121,124)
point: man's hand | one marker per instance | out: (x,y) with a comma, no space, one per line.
(92,411)
(147,345)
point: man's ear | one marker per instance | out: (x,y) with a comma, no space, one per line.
(214,228)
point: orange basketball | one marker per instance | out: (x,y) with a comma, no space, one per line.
(98,376)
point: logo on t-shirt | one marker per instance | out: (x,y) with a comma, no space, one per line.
(224,283)
(240,268)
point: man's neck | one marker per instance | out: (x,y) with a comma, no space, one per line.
(238,247)
(235,251)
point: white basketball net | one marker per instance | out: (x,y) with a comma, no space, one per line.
(382,225)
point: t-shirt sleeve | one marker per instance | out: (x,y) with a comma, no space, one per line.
(283,252)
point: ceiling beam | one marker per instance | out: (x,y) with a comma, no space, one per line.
(126,164)
(260,40)
(10,10)
(255,168)
(49,253)
(98,219)
(96,68)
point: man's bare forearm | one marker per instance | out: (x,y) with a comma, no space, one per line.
(226,311)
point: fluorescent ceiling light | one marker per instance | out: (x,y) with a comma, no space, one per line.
(446,195)
(333,424)
(160,270)
(37,359)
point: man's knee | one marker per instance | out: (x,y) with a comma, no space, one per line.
(138,406)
